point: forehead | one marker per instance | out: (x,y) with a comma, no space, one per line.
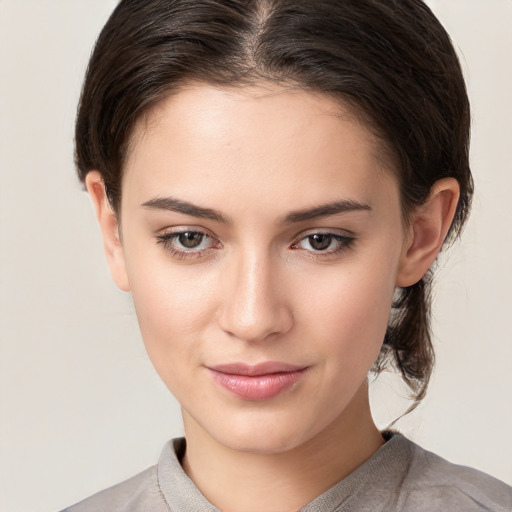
(204,138)
(200,106)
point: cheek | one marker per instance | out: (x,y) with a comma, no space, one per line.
(173,308)
(349,311)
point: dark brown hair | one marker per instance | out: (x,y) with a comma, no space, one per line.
(390,61)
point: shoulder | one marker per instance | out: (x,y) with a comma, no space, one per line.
(140,492)
(433,483)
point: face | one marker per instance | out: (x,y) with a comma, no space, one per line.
(262,242)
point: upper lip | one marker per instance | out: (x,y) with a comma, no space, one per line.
(254,370)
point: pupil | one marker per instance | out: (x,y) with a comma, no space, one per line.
(320,242)
(190,239)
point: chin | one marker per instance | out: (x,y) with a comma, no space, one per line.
(264,443)
(264,435)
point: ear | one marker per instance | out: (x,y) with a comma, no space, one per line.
(428,228)
(109,229)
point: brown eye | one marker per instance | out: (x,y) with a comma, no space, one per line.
(320,242)
(188,244)
(190,239)
(325,244)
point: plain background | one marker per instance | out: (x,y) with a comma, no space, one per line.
(80,405)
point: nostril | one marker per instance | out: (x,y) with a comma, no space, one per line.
(253,306)
(276,321)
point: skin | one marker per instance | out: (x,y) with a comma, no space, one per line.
(256,288)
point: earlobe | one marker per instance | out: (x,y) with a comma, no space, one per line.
(428,229)
(109,226)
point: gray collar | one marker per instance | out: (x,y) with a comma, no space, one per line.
(390,462)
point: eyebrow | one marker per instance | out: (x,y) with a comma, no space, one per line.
(325,210)
(177,205)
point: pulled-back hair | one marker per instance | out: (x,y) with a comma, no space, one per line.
(390,61)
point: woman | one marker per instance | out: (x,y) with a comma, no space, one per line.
(273,181)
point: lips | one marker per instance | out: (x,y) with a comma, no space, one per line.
(257,382)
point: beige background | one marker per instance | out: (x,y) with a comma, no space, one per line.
(80,406)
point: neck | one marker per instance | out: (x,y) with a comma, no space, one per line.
(233,480)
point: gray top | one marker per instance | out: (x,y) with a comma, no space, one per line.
(400,476)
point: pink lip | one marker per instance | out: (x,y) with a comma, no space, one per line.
(257,382)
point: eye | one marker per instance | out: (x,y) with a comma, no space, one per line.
(319,241)
(324,243)
(190,239)
(186,243)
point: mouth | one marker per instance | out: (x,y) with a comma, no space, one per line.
(258,382)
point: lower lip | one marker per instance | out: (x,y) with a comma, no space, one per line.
(257,387)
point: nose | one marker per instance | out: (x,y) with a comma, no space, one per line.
(255,304)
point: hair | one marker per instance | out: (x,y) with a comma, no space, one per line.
(389,61)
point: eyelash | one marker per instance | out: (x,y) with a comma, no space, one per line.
(168,240)
(344,244)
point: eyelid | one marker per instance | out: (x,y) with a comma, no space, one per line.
(167,236)
(345,233)
(344,238)
(176,230)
